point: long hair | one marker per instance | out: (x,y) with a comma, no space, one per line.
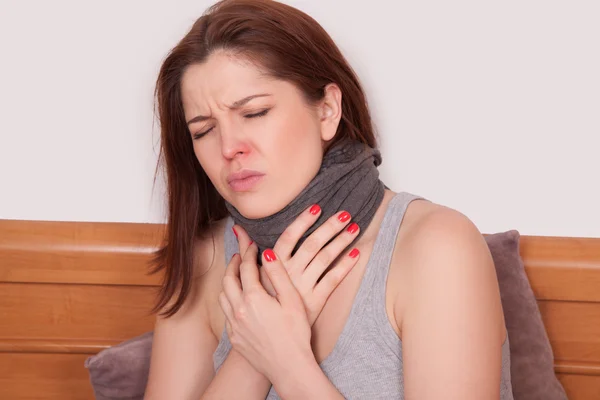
(288,45)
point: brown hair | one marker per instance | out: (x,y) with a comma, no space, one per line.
(288,45)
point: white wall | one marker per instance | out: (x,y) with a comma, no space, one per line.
(492,109)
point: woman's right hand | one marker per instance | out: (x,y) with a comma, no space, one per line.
(313,257)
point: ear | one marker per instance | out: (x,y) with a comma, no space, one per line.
(330,111)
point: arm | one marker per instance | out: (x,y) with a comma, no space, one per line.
(181,363)
(182,366)
(453,326)
(249,383)
(306,381)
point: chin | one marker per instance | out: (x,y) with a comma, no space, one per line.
(255,206)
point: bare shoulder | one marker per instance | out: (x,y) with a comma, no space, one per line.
(452,319)
(208,255)
(209,268)
(445,258)
(209,272)
(208,249)
(429,226)
(183,345)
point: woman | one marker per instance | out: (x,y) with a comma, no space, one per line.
(290,269)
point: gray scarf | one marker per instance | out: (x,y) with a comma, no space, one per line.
(348,180)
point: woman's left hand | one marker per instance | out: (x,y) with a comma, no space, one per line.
(271,332)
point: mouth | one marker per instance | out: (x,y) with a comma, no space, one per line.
(244,181)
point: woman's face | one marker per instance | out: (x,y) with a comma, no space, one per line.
(241,120)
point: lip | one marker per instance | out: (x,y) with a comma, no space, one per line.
(244,180)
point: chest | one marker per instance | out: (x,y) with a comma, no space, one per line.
(331,322)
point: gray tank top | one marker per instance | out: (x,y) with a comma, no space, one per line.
(366,361)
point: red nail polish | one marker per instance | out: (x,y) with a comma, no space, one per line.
(354,253)
(352,228)
(234,232)
(250,244)
(269,255)
(314,210)
(345,216)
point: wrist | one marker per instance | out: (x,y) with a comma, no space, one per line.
(298,381)
(241,362)
(249,383)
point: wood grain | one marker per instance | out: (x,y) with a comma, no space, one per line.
(562,268)
(59,311)
(580,387)
(49,345)
(78,252)
(44,377)
(573,329)
(71,289)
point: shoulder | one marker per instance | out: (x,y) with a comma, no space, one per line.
(434,231)
(209,269)
(184,343)
(452,322)
(207,249)
(209,265)
(208,262)
(448,268)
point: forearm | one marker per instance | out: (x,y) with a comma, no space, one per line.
(237,379)
(308,381)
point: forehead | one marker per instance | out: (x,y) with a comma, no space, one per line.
(223,78)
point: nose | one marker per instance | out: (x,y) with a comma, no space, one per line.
(233,141)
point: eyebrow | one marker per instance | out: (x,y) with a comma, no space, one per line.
(236,104)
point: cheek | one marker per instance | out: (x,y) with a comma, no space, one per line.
(296,131)
(298,144)
(207,161)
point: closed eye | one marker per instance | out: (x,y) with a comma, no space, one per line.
(200,134)
(256,115)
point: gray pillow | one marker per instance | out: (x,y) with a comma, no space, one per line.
(531,358)
(121,372)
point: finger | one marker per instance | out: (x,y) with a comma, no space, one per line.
(333,277)
(244,240)
(291,235)
(225,306)
(330,253)
(232,287)
(284,288)
(249,274)
(233,269)
(319,238)
(228,328)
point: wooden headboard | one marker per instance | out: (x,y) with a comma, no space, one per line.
(71,289)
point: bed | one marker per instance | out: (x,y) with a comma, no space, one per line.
(70,289)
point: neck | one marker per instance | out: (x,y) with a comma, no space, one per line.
(347,180)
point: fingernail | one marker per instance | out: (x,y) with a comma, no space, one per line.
(314,210)
(352,228)
(345,216)
(234,232)
(250,244)
(269,255)
(354,253)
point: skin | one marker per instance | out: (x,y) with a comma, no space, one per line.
(286,143)
(444,304)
